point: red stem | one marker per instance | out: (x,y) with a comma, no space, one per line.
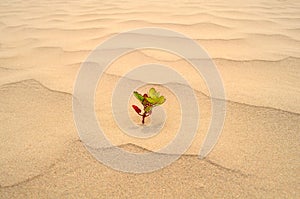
(143,121)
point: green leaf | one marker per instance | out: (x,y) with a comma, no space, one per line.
(154,97)
(152,93)
(161,100)
(148,109)
(151,100)
(138,96)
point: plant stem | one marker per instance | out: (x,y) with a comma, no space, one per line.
(144,115)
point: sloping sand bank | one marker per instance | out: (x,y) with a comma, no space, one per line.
(256,47)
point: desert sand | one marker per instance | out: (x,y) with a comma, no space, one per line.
(255,46)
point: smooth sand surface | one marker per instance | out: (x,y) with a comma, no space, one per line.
(256,47)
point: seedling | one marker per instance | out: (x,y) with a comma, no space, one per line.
(149,101)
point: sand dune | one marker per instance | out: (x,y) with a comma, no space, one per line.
(255,46)
(258,159)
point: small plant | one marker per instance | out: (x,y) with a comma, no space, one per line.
(149,101)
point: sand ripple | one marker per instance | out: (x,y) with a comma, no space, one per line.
(255,45)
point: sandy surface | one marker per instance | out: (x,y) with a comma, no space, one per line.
(255,46)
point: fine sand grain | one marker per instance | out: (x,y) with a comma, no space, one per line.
(255,46)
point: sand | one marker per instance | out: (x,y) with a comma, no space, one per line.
(255,46)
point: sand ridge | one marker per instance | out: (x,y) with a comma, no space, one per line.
(255,46)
